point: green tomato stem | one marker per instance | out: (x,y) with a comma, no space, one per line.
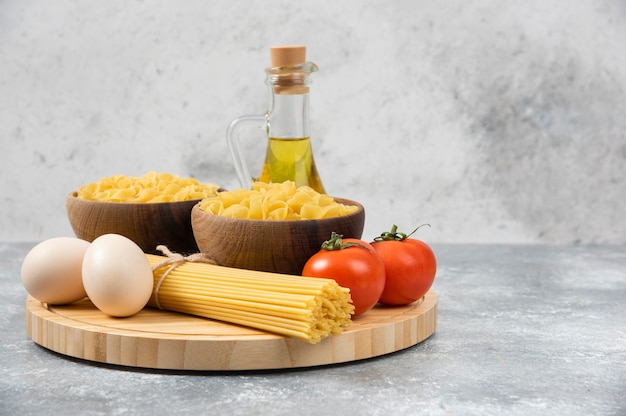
(336,243)
(394,235)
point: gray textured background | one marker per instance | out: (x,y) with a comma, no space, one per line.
(493,122)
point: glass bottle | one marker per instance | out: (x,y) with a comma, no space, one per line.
(289,154)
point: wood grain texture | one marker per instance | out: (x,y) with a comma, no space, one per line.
(172,341)
(278,246)
(147,224)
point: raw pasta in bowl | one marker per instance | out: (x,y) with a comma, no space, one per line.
(149,188)
(276,201)
(152,209)
(272,227)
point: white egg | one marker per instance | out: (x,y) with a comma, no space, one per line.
(51,271)
(117,275)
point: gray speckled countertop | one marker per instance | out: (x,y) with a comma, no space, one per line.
(522,330)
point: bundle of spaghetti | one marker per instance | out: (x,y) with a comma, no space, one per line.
(306,308)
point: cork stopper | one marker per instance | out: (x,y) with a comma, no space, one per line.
(287,55)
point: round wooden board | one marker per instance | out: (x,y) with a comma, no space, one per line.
(172,341)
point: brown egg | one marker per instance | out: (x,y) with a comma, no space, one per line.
(52,270)
(117,275)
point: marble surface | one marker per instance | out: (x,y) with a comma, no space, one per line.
(522,330)
(492,122)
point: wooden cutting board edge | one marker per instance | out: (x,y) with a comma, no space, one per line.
(191,343)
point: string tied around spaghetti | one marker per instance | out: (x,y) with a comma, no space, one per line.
(173,260)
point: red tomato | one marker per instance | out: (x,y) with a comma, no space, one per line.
(353,264)
(410,267)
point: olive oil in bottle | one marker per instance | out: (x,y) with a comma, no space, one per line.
(291,159)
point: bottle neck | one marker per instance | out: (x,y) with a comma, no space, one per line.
(288,113)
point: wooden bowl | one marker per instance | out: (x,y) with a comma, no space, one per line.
(279,246)
(147,224)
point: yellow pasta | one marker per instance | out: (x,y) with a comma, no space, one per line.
(151,187)
(305,308)
(275,201)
